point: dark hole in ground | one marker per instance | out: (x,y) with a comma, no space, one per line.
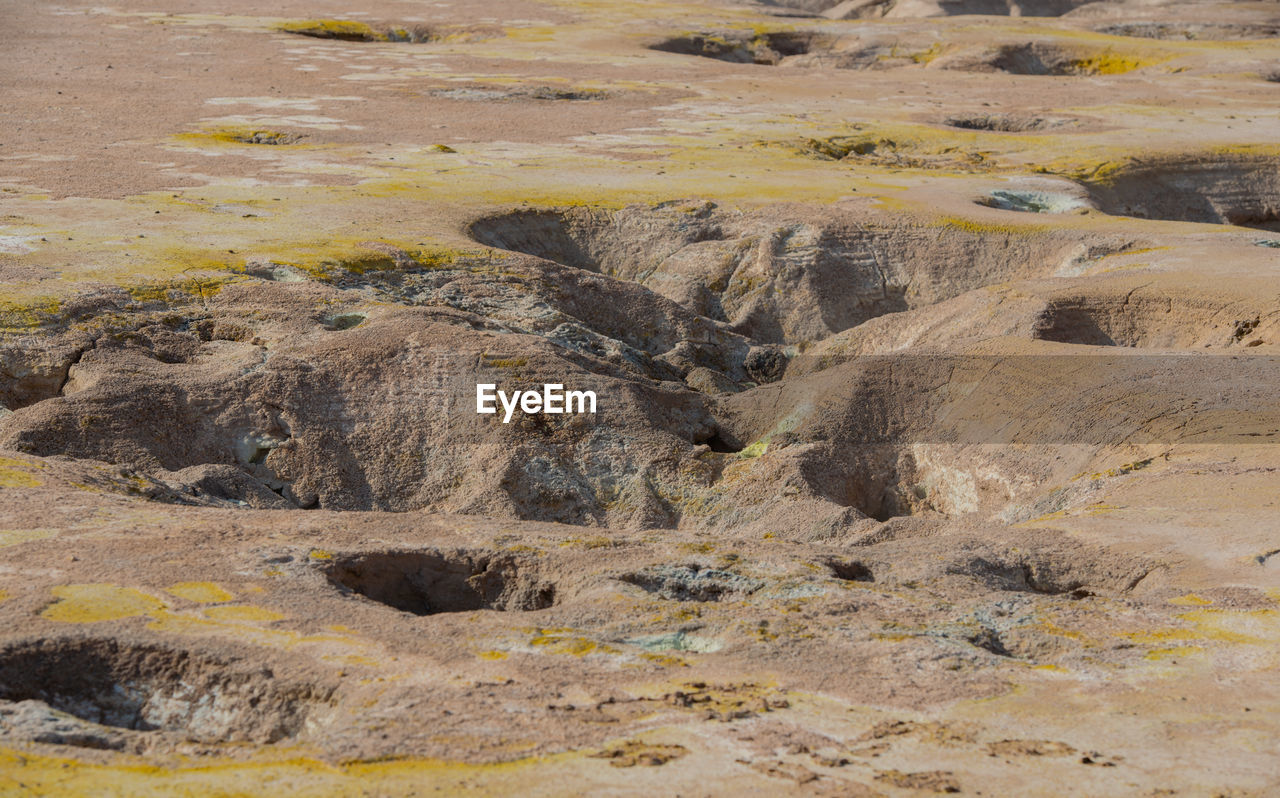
(1069,323)
(1267,219)
(765,364)
(345,321)
(710,262)
(888,508)
(431,582)
(550,235)
(154,688)
(1038,58)
(354,31)
(1239,189)
(849,570)
(719,442)
(1001,123)
(988,639)
(268,137)
(1141,320)
(736,48)
(1047,578)
(691,582)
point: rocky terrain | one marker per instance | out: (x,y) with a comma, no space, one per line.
(936,349)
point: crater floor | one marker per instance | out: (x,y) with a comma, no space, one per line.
(936,352)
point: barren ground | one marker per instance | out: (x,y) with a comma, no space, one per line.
(936,344)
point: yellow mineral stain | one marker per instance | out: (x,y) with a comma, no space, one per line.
(247,630)
(99,602)
(332,29)
(237,134)
(46,775)
(1247,627)
(242,612)
(665,660)
(492,655)
(1190,600)
(1157,654)
(10,478)
(573,646)
(12,537)
(1236,626)
(200,592)
(17,473)
(1054,629)
(1163,636)
(1108,64)
(353,659)
(9,462)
